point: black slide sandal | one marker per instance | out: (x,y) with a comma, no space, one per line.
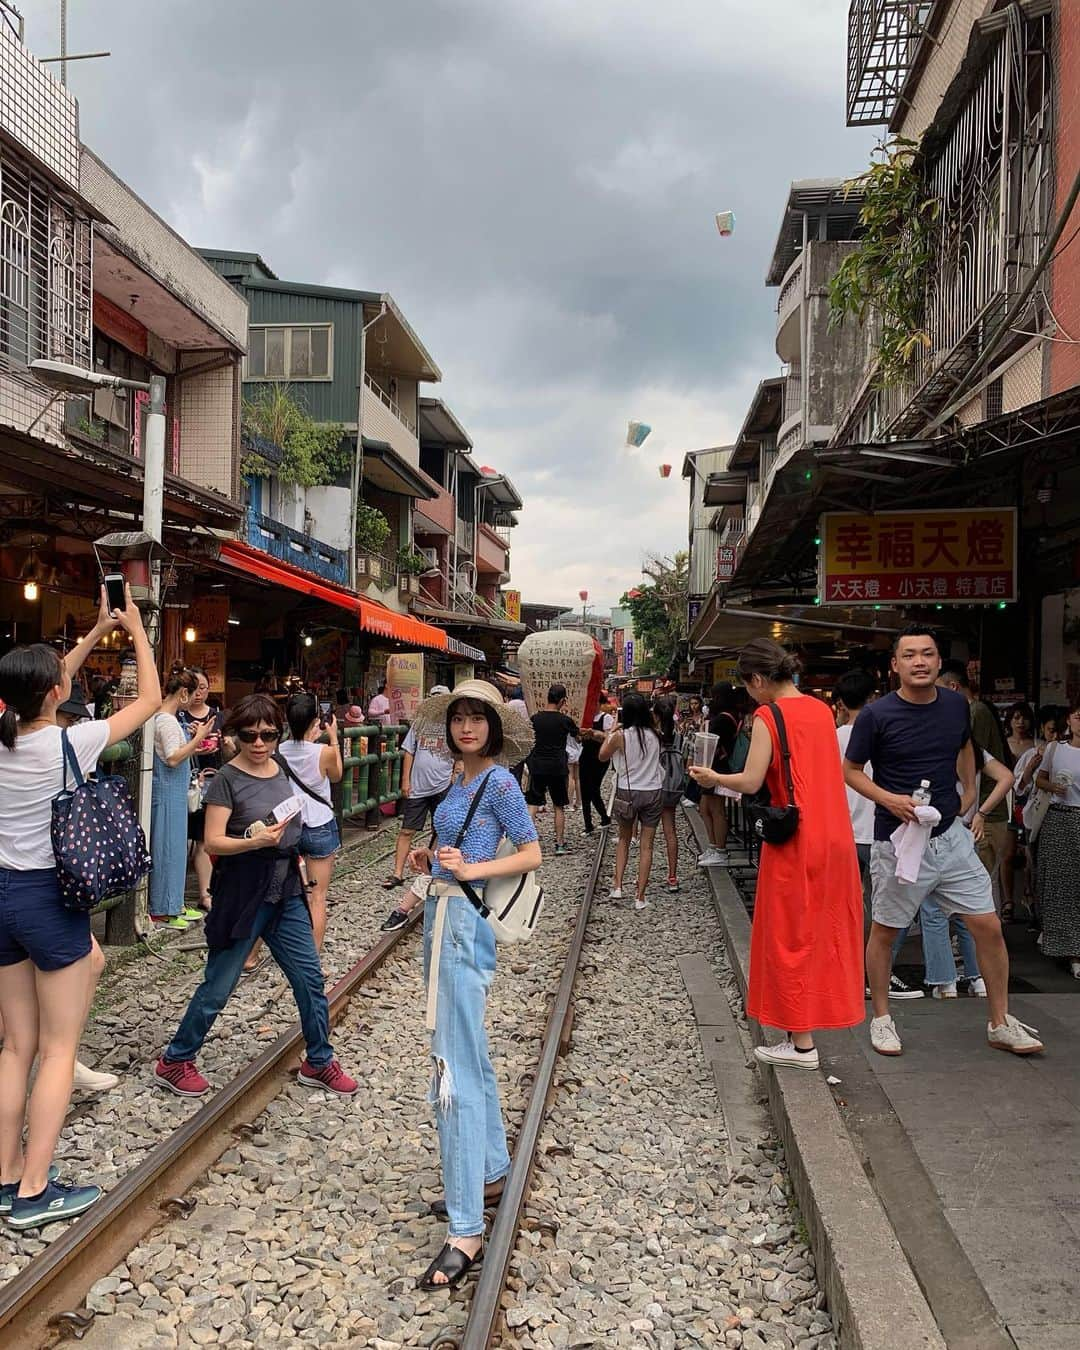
(452,1263)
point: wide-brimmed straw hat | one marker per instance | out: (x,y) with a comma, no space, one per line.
(518,737)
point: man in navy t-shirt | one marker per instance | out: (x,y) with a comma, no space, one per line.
(923,732)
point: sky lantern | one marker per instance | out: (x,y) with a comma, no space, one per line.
(488,471)
(665,470)
(636,433)
(725,222)
(635,594)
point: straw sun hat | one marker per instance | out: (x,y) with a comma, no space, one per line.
(518,738)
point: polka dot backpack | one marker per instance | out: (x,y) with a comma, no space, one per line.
(99,845)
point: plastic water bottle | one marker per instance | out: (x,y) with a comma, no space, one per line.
(921,795)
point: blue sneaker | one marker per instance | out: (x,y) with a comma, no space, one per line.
(56,1201)
(9,1190)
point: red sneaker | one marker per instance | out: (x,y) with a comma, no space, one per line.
(331,1076)
(180,1076)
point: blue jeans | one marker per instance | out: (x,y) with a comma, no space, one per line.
(937,948)
(286,930)
(472,1137)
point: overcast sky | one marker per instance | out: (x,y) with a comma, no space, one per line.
(534,181)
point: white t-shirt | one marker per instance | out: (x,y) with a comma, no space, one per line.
(168,735)
(637,767)
(1064,768)
(30,777)
(860,808)
(379,710)
(303,758)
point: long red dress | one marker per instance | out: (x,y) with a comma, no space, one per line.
(806,958)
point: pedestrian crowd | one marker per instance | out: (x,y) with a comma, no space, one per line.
(918,806)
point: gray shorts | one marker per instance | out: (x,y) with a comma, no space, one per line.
(644,806)
(950,875)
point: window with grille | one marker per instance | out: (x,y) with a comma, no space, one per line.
(290,352)
(45,292)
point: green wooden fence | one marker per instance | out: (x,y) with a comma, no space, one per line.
(373,778)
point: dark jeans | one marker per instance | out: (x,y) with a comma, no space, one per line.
(286,930)
(592,776)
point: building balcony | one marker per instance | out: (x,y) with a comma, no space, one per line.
(492,552)
(435,516)
(385,421)
(289,545)
(789,313)
(465,534)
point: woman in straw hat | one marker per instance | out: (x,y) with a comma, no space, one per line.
(459,954)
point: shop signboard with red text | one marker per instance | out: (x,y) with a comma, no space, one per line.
(958,557)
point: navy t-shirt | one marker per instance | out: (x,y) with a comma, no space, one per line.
(907,742)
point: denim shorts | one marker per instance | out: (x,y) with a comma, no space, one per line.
(34,924)
(320,841)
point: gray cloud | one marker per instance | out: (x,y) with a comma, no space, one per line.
(533,180)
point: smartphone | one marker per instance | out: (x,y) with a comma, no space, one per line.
(324,712)
(114,592)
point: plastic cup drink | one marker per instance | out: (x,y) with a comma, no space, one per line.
(705,744)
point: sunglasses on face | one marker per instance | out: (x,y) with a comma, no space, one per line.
(249,737)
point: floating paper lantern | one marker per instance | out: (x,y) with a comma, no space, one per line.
(725,222)
(636,432)
(583,596)
(558,656)
(665,470)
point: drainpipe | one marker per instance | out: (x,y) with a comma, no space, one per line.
(358,458)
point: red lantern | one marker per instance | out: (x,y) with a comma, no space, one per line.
(583,596)
(665,470)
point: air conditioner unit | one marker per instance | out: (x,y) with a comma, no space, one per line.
(430,556)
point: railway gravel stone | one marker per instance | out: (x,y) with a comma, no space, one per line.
(314,1229)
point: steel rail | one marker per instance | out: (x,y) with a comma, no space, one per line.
(485,1309)
(49,1291)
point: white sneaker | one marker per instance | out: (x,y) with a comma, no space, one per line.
(707,858)
(1074,969)
(615,893)
(785,1056)
(641,904)
(1015,1037)
(945,990)
(89,1080)
(686,802)
(883,1036)
(977,988)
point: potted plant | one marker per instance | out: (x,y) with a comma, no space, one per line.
(411,564)
(372,532)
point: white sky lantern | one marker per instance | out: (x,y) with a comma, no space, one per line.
(636,432)
(725,222)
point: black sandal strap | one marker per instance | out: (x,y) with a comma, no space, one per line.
(452,1263)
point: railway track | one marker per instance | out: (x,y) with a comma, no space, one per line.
(45,1300)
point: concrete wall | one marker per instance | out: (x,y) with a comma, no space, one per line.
(162,253)
(331,514)
(833,366)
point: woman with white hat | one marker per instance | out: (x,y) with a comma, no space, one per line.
(482,805)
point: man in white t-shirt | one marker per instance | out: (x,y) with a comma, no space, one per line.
(379,707)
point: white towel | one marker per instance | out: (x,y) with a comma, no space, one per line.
(910,839)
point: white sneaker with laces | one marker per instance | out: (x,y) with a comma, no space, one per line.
(615,893)
(977,988)
(883,1036)
(1014,1036)
(641,904)
(707,858)
(89,1080)
(945,990)
(785,1056)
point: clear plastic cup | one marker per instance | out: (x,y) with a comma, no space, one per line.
(705,744)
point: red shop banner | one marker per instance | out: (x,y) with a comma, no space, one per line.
(959,557)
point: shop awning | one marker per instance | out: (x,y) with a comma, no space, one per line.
(370,614)
(385,468)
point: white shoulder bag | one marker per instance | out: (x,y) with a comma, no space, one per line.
(1039,802)
(512,904)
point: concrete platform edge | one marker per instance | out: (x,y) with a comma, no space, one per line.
(874,1298)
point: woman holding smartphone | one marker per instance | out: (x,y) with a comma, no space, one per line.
(314,767)
(253,824)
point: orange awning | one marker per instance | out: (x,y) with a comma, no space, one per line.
(371,616)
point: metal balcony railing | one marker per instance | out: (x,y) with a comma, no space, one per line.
(291,546)
(384,398)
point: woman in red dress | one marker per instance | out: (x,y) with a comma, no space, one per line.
(806,961)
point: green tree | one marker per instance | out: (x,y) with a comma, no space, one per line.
(885,275)
(314,454)
(658,609)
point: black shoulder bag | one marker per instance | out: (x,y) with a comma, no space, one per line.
(776,824)
(283,765)
(468,891)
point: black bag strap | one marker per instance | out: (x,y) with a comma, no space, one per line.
(283,765)
(468,891)
(785,751)
(70,759)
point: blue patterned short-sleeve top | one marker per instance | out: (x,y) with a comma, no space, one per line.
(502,810)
